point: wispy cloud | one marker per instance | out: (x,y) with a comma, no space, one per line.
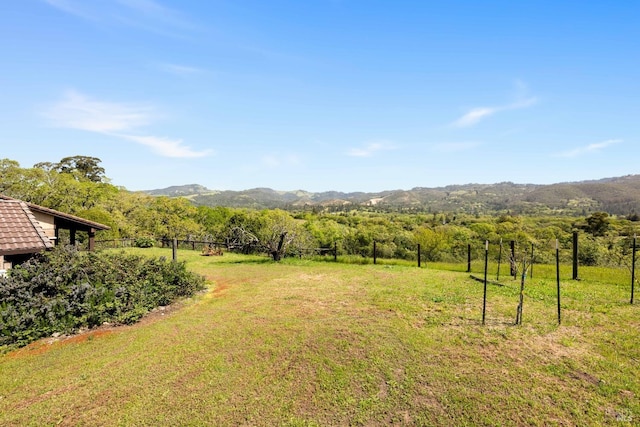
(180,70)
(77,111)
(71,7)
(588,149)
(477,114)
(167,147)
(454,147)
(148,15)
(273,161)
(474,115)
(370,149)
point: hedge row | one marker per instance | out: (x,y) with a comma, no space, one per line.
(63,291)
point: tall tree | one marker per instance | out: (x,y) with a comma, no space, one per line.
(81,167)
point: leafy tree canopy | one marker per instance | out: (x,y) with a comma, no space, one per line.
(81,167)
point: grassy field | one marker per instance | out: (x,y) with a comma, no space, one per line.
(305,343)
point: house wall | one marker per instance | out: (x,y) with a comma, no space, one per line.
(4,265)
(47,222)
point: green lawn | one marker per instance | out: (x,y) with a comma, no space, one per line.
(306,343)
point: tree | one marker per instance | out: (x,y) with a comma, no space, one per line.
(18,182)
(215,221)
(484,231)
(81,167)
(279,232)
(326,231)
(434,243)
(598,223)
(167,217)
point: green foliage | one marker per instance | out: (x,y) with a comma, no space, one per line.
(484,231)
(590,252)
(277,233)
(327,231)
(214,221)
(81,167)
(144,242)
(64,290)
(73,186)
(433,243)
(597,223)
(168,218)
(69,186)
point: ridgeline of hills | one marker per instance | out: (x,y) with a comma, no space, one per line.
(618,196)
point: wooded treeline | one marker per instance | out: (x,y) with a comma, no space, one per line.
(78,185)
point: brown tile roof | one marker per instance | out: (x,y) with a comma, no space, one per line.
(80,223)
(20,232)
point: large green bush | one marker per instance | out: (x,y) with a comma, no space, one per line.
(63,291)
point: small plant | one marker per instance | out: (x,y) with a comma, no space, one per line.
(144,242)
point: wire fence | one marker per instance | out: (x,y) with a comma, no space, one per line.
(206,247)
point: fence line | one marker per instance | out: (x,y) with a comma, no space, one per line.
(201,245)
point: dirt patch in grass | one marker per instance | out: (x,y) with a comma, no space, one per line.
(48,395)
(584,376)
(46,344)
(221,287)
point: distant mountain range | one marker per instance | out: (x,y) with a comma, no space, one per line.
(619,196)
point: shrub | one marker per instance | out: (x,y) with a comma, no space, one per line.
(144,242)
(64,290)
(590,252)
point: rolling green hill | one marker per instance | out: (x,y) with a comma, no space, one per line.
(619,196)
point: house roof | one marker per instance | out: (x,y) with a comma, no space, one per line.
(78,223)
(20,232)
(64,220)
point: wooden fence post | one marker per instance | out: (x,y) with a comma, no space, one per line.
(419,255)
(469,258)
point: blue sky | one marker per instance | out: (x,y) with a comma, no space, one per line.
(350,95)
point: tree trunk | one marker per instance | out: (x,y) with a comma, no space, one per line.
(277,254)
